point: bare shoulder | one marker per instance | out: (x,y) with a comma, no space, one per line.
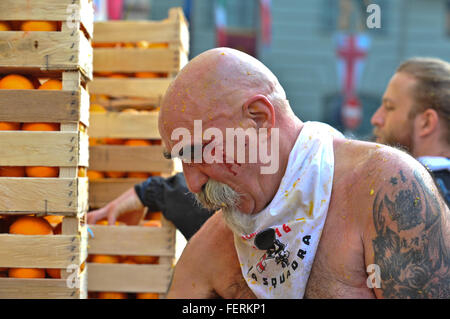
(209,267)
(406,235)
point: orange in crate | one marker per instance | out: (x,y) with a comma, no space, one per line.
(115,174)
(114,141)
(54,273)
(148,259)
(31,225)
(93,175)
(53,219)
(4,26)
(42,171)
(51,85)
(97,108)
(10,126)
(26,273)
(146,75)
(16,82)
(12,171)
(112,295)
(137,142)
(105,259)
(147,295)
(41,127)
(138,175)
(39,26)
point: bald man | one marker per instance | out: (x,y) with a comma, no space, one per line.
(337,218)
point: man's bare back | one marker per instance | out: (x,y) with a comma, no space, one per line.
(384,211)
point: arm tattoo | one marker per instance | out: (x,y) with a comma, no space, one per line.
(410,246)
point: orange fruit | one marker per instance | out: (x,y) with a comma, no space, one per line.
(146,75)
(128,45)
(105,259)
(143,44)
(51,85)
(12,171)
(117,76)
(10,126)
(40,127)
(96,141)
(31,225)
(115,174)
(26,273)
(138,175)
(112,295)
(152,223)
(53,219)
(127,260)
(97,108)
(105,45)
(39,26)
(104,222)
(82,172)
(114,141)
(42,171)
(4,26)
(93,175)
(54,273)
(16,82)
(147,295)
(137,142)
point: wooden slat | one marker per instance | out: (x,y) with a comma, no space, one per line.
(132,240)
(28,148)
(136,60)
(40,195)
(45,50)
(122,158)
(124,125)
(103,191)
(16,288)
(44,106)
(39,251)
(129,278)
(132,87)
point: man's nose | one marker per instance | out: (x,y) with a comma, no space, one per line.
(378,117)
(195,178)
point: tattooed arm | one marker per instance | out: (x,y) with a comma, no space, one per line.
(409,235)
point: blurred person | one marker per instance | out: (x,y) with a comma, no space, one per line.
(167,195)
(334,211)
(415,115)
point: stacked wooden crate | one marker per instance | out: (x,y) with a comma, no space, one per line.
(65,55)
(134,63)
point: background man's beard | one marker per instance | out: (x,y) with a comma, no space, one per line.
(405,144)
(216,195)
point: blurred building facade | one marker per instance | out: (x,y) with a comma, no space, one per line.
(303,47)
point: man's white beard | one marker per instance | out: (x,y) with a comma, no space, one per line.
(216,195)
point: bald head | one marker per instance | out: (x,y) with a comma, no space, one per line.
(215,81)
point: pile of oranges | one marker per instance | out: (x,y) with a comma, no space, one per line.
(95,175)
(23,82)
(31,225)
(116,259)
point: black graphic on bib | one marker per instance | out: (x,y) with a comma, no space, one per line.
(278,252)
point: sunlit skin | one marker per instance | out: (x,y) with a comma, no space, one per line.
(222,102)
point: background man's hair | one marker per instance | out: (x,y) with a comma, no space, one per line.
(432,89)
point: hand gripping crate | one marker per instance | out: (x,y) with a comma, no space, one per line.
(132,241)
(65,54)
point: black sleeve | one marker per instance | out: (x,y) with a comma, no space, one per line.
(172,197)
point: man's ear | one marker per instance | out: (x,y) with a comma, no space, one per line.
(260,110)
(427,122)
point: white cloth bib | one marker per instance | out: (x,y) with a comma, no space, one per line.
(295,216)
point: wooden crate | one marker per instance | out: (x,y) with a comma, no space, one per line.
(67,149)
(173,31)
(67,252)
(132,241)
(68,49)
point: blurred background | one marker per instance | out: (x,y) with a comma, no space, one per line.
(334,58)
